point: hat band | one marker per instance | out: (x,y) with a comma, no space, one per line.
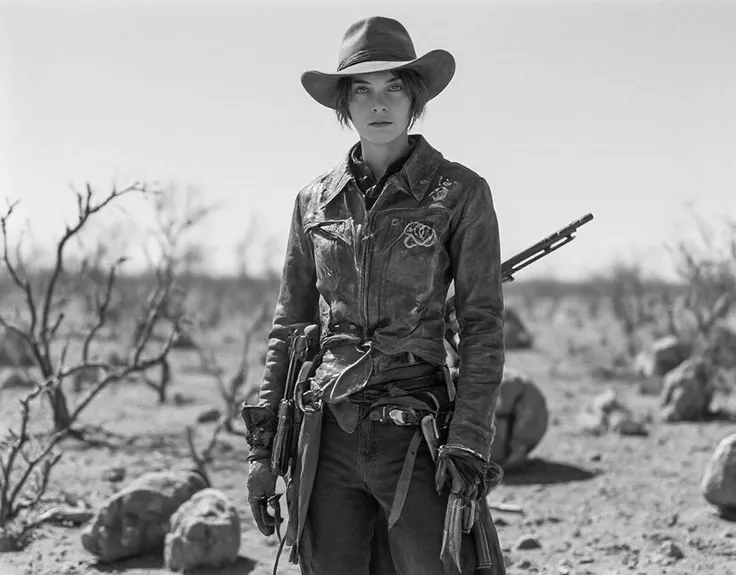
(379,55)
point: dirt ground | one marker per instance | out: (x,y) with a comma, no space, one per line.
(608,505)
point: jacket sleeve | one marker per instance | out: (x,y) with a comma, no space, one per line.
(476,266)
(297,303)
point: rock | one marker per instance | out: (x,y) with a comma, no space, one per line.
(115,359)
(209,415)
(607,402)
(687,392)
(14,351)
(651,386)
(625,424)
(67,515)
(592,423)
(184,341)
(722,346)
(719,481)
(521,419)
(135,520)
(87,375)
(205,532)
(527,542)
(515,332)
(17,380)
(114,474)
(524,564)
(666,354)
(669,549)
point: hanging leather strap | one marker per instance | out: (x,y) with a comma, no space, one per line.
(402,487)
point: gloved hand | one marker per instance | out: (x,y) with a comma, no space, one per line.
(261,485)
(469,476)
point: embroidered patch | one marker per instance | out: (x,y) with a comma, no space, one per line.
(441,191)
(419,234)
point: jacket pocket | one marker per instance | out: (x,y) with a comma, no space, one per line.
(412,247)
(333,249)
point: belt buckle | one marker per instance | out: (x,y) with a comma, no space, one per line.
(398,416)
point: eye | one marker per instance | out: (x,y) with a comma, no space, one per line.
(360,90)
(395,88)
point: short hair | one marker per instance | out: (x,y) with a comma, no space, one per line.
(413,84)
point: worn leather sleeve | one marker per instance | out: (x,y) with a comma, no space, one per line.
(297,303)
(476,266)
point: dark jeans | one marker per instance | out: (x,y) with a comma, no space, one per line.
(353,493)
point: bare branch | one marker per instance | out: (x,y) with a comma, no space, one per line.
(23,284)
(102,308)
(86,208)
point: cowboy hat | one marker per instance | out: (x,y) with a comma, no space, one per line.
(379,44)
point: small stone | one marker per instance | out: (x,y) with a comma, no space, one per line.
(727,534)
(669,549)
(209,415)
(527,542)
(672,521)
(500,522)
(585,560)
(114,474)
(596,457)
(525,564)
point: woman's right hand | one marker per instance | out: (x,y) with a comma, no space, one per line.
(262,485)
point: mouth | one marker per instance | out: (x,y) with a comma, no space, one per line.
(380,124)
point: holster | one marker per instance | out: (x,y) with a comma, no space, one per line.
(299,488)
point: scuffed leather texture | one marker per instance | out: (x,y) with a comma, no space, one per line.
(385,274)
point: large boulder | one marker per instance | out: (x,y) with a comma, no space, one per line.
(666,354)
(135,520)
(17,379)
(205,532)
(688,391)
(719,482)
(722,346)
(516,334)
(521,419)
(14,350)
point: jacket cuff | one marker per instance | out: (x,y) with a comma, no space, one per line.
(469,439)
(259,454)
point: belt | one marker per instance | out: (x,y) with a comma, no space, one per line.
(405,416)
(396,415)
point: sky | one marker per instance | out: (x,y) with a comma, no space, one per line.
(624,109)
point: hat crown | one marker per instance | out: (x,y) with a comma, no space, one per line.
(375,39)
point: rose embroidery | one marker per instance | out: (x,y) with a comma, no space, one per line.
(441,191)
(419,234)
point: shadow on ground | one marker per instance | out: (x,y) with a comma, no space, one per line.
(540,471)
(142,562)
(242,566)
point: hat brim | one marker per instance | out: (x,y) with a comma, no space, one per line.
(436,69)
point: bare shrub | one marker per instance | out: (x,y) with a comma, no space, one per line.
(47,297)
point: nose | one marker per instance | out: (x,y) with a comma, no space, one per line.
(379,105)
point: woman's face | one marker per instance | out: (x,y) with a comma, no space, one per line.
(379,107)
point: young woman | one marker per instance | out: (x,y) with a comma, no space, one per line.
(374,246)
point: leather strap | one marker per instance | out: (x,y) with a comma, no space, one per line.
(402,488)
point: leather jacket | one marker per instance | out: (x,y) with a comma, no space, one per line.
(383,276)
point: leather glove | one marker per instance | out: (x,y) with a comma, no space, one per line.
(262,486)
(469,476)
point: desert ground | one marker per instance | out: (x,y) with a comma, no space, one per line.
(594,504)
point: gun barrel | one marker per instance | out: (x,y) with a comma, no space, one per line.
(542,247)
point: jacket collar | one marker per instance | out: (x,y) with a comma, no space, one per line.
(415,175)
